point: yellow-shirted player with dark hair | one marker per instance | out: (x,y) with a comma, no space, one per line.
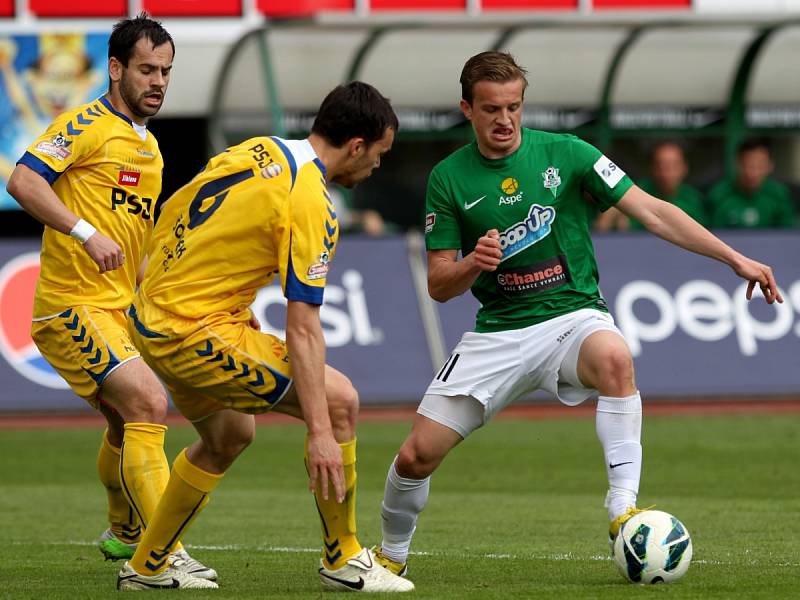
(93,179)
(259,210)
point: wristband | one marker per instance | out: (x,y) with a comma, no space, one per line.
(82,231)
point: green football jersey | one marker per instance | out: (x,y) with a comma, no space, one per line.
(537,199)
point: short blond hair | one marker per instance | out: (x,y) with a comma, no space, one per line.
(489,66)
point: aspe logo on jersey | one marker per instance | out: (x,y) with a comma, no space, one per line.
(17,286)
(526,233)
(509,187)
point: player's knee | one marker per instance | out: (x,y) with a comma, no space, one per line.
(146,404)
(225,449)
(616,375)
(343,405)
(414,462)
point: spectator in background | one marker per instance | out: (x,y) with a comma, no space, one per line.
(752,198)
(668,171)
(357,220)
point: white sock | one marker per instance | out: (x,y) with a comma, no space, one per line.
(403,500)
(619,428)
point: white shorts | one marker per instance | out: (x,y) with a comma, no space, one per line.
(497,368)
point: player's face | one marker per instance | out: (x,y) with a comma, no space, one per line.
(143,83)
(669,168)
(496,116)
(754,166)
(363,159)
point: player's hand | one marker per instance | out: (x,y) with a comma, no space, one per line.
(325,465)
(487,251)
(756,273)
(104,251)
(253,322)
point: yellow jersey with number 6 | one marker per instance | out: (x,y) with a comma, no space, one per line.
(106,170)
(257,210)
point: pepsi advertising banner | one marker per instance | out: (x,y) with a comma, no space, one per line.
(370,318)
(685,317)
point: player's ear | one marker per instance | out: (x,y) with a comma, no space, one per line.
(356,147)
(114,69)
(466,109)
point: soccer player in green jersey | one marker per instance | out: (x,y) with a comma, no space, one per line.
(512,203)
(752,199)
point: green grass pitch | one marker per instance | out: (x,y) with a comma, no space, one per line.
(516,512)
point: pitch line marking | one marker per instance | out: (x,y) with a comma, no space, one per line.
(491,555)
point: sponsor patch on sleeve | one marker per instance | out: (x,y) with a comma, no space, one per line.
(55,150)
(608,171)
(317,271)
(430,221)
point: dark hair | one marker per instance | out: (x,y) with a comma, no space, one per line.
(354,110)
(129,31)
(489,66)
(666,143)
(753,144)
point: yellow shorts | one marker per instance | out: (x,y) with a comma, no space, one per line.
(210,365)
(85,344)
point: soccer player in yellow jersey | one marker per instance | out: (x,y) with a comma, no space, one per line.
(93,179)
(258,210)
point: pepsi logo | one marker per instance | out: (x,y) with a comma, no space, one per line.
(17,286)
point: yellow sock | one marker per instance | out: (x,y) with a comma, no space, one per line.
(144,470)
(339,520)
(124,522)
(183,499)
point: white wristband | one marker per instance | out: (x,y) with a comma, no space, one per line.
(82,231)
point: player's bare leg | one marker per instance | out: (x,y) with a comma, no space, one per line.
(605,364)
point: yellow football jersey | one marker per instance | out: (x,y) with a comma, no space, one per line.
(256,210)
(107,171)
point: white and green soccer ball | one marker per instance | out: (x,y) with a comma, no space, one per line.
(653,547)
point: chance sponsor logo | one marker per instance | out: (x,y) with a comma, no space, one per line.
(526,281)
(526,233)
(129,178)
(17,286)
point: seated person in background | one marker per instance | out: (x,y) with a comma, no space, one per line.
(752,198)
(353,220)
(668,170)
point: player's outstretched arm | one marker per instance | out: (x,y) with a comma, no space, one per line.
(449,277)
(307,350)
(39,200)
(670,223)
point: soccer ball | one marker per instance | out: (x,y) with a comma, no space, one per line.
(653,547)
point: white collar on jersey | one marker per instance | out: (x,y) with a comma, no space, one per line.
(141,130)
(301,150)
